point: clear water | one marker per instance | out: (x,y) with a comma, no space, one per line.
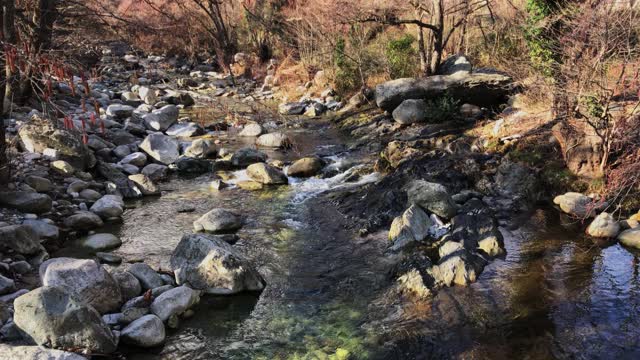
(330,294)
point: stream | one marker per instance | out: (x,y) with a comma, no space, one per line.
(328,294)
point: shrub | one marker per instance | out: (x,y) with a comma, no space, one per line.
(443,108)
(401,57)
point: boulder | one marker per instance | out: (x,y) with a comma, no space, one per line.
(40,135)
(458,268)
(251,130)
(129,284)
(28,202)
(604,226)
(130,98)
(411,111)
(149,278)
(163,148)
(189,165)
(305,167)
(52,316)
(161,119)
(478,230)
(120,111)
(315,109)
(147,95)
(266,174)
(201,149)
(581,148)
(247,156)
(19,238)
(108,206)
(412,226)
(185,130)
(578,205)
(218,221)
(208,263)
(124,186)
(274,140)
(174,302)
(292,108)
(36,353)
(481,89)
(63,168)
(42,228)
(432,197)
(630,238)
(147,331)
(101,242)
(86,278)
(455,65)
(136,159)
(144,184)
(6,285)
(83,221)
(39,184)
(156,172)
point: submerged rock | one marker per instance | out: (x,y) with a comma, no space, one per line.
(208,263)
(100,242)
(52,316)
(218,221)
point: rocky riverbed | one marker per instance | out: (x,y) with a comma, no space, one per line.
(181,217)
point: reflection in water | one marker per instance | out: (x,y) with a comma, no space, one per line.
(330,296)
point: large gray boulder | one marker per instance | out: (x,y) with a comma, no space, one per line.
(44,229)
(147,331)
(86,278)
(156,172)
(129,284)
(161,119)
(455,65)
(266,174)
(208,263)
(108,206)
(247,156)
(29,202)
(21,239)
(218,221)
(201,149)
(36,353)
(40,135)
(251,130)
(174,302)
(292,108)
(412,226)
(149,278)
(460,267)
(161,147)
(305,167)
(120,111)
(185,130)
(54,317)
(432,197)
(480,89)
(411,111)
(274,140)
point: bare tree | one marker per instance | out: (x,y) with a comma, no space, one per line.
(440,17)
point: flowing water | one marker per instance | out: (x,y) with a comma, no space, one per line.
(329,292)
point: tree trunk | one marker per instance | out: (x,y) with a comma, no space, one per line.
(5,170)
(9,30)
(438,36)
